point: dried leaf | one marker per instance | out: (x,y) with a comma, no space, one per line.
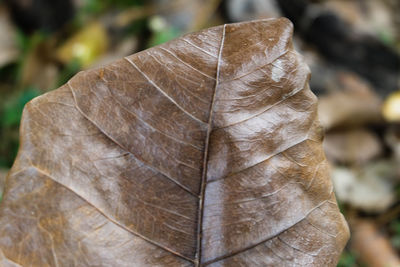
(8,46)
(203,151)
(356,105)
(372,246)
(353,146)
(368,188)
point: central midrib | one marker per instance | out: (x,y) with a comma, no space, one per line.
(197,261)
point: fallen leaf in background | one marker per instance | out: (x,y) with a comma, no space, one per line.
(205,14)
(9,51)
(369,189)
(355,105)
(373,248)
(354,146)
(202,151)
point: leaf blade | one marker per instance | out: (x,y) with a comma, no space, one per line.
(142,142)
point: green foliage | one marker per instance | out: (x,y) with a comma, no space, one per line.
(161,31)
(395,229)
(8,74)
(137,27)
(163,36)
(26,44)
(12,110)
(347,259)
(387,38)
(15,97)
(67,72)
(10,115)
(11,73)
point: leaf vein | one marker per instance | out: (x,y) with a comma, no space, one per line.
(162,91)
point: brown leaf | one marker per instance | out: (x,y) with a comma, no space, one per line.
(373,247)
(203,151)
(356,105)
(352,146)
(8,39)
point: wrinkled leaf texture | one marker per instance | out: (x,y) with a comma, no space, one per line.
(204,151)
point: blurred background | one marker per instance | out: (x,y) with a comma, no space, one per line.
(352,48)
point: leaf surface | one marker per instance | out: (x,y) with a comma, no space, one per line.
(204,151)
